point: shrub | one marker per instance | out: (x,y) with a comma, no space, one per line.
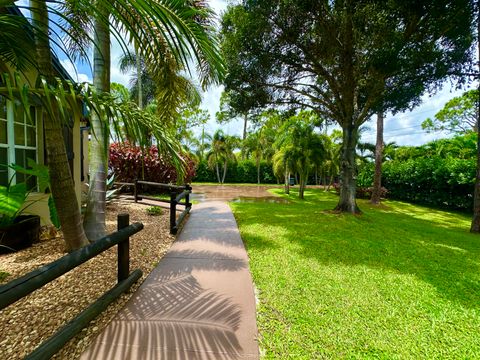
(436,181)
(364,192)
(243,171)
(154,211)
(130,162)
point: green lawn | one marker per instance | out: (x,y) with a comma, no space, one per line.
(398,282)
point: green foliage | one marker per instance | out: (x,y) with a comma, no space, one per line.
(13,198)
(243,171)
(459,115)
(154,211)
(444,182)
(440,173)
(398,282)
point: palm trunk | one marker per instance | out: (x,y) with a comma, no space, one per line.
(287,182)
(216,168)
(347,201)
(62,186)
(139,79)
(301,187)
(377,180)
(258,171)
(94,222)
(224,171)
(475,227)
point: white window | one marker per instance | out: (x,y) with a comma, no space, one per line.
(18,140)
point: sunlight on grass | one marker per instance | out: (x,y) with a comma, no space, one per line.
(398,281)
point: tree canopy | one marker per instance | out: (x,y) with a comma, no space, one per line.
(348,59)
(459,115)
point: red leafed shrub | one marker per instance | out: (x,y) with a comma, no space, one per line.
(126,162)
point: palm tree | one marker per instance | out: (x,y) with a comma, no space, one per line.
(259,144)
(61,100)
(301,149)
(63,190)
(193,41)
(222,148)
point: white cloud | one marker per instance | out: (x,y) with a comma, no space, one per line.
(73,72)
(405,128)
(116,52)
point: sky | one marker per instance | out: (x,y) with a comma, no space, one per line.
(403,128)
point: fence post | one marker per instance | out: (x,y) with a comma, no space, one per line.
(135,189)
(188,188)
(123,249)
(173,212)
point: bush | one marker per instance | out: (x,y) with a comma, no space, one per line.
(364,192)
(130,162)
(436,181)
(243,171)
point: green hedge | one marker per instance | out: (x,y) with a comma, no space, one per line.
(441,182)
(244,171)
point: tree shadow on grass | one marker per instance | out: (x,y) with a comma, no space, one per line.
(436,252)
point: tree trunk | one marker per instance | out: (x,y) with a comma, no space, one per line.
(139,79)
(287,182)
(218,173)
(94,221)
(377,180)
(475,227)
(347,201)
(224,171)
(61,182)
(301,188)
(245,121)
(258,171)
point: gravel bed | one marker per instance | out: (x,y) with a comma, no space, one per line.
(27,323)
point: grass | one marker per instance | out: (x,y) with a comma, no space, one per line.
(400,281)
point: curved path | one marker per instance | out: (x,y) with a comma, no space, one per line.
(198,303)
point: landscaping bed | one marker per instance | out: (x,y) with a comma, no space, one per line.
(25,324)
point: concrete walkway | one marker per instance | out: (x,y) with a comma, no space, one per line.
(198,303)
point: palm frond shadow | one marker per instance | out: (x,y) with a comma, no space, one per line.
(174,319)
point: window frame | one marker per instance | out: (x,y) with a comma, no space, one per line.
(10,145)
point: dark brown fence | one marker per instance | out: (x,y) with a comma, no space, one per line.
(18,288)
(177,194)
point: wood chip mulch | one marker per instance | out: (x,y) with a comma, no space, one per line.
(25,324)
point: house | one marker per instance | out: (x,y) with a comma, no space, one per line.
(22,137)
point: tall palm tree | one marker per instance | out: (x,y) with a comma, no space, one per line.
(62,186)
(222,148)
(300,147)
(192,41)
(59,101)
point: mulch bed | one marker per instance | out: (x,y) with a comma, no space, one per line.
(25,324)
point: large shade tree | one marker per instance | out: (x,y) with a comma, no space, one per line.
(348,59)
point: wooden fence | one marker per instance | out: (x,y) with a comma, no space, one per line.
(176,193)
(21,287)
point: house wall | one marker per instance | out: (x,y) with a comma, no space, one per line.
(37,203)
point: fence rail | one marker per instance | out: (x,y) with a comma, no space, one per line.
(177,194)
(19,288)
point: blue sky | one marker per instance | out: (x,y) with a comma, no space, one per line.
(404,128)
